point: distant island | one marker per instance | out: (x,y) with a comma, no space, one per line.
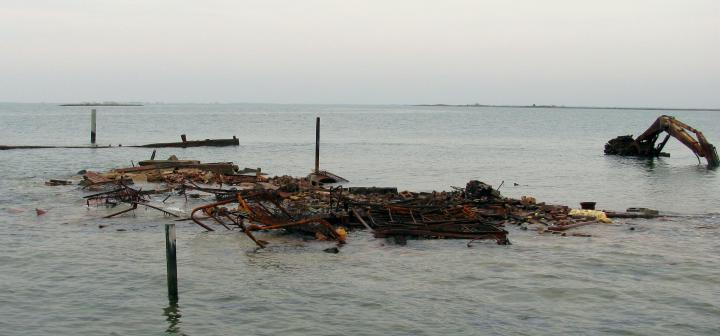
(102,104)
(576,107)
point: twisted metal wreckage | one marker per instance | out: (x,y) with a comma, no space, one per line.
(422,217)
(296,205)
(250,202)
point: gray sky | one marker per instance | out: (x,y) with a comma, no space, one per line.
(573,52)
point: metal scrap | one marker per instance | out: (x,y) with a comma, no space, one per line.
(250,201)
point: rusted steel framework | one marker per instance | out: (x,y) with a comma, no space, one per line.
(127,195)
(259,211)
(457,228)
(440,219)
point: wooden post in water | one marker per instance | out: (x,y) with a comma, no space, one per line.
(317,145)
(93,118)
(172,281)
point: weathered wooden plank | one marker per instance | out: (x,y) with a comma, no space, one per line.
(196,143)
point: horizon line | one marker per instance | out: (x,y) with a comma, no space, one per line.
(538,106)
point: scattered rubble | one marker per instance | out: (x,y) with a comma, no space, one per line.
(249,201)
(57,182)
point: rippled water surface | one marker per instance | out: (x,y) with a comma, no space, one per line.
(62,274)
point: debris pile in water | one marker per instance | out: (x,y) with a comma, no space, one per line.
(621,145)
(249,201)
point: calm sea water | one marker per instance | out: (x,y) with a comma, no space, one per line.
(62,274)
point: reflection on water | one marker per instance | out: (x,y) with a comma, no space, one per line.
(172,314)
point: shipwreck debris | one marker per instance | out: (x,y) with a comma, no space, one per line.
(250,201)
(53,182)
(182,144)
(634,213)
(171,171)
(196,143)
(454,215)
(93,178)
(127,195)
(325,177)
(262,211)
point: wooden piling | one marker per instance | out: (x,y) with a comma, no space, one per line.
(317,145)
(93,119)
(172,281)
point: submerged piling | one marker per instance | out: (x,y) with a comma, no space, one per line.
(317,144)
(172,281)
(93,119)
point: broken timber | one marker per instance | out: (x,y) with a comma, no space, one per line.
(219,167)
(196,143)
(183,144)
(3,147)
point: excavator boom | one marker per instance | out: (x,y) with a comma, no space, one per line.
(644,145)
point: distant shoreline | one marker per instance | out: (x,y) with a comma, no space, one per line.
(575,107)
(110,104)
(102,104)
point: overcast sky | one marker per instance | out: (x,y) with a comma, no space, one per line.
(572,52)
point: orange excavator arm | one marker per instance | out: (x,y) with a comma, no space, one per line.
(645,146)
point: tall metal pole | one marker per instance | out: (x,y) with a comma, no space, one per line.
(317,145)
(93,118)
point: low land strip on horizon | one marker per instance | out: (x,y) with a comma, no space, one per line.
(578,107)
